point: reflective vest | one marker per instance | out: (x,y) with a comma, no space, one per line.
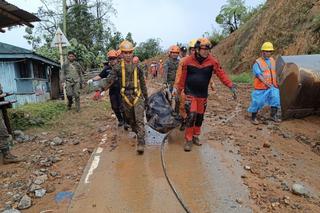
(137,90)
(268,73)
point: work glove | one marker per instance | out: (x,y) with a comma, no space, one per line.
(234,91)
(174,92)
(89,81)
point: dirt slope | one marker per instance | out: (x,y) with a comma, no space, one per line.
(293,27)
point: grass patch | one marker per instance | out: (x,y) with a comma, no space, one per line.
(244,77)
(35,115)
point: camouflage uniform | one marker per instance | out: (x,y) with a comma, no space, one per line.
(72,76)
(4,136)
(5,140)
(134,114)
(170,70)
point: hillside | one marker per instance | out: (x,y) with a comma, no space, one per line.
(293,26)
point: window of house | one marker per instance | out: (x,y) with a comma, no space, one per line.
(24,70)
(39,70)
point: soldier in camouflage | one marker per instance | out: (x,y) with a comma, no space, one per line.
(133,91)
(71,77)
(170,70)
(5,139)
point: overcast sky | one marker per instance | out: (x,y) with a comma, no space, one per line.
(170,20)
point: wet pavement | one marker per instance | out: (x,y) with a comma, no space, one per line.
(122,181)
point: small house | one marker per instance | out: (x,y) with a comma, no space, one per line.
(31,77)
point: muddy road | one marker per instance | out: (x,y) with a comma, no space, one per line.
(240,167)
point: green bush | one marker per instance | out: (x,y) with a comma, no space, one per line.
(244,77)
(31,115)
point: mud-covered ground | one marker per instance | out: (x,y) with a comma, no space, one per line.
(264,160)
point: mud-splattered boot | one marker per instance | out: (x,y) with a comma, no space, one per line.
(183,125)
(9,158)
(196,141)
(188,146)
(140,147)
(273,115)
(254,119)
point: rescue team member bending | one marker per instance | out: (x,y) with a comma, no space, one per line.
(114,90)
(197,70)
(72,79)
(266,92)
(133,91)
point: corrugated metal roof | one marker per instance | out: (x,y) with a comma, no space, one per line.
(8,51)
(11,15)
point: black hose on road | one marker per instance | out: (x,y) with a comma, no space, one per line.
(168,179)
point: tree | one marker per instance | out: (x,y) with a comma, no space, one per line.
(114,41)
(231,15)
(89,28)
(32,39)
(129,38)
(148,49)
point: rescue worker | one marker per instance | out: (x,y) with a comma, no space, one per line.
(170,70)
(114,90)
(154,70)
(266,92)
(136,60)
(5,139)
(71,77)
(133,91)
(161,71)
(182,97)
(197,70)
(183,52)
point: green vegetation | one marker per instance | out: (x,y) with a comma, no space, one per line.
(31,115)
(234,14)
(148,49)
(244,77)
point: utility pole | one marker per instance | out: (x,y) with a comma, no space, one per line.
(65,17)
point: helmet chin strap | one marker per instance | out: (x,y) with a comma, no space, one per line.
(199,58)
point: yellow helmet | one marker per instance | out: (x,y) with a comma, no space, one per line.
(267,46)
(126,46)
(192,43)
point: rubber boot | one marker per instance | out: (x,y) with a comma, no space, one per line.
(196,141)
(70,102)
(254,119)
(273,115)
(9,158)
(140,147)
(183,125)
(188,146)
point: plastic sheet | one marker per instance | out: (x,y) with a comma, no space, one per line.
(160,115)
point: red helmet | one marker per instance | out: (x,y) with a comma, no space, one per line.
(112,54)
(174,49)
